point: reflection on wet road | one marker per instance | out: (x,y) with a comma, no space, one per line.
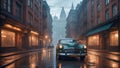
(46,59)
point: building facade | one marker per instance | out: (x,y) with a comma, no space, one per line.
(72,24)
(47,25)
(103,24)
(20,24)
(99,24)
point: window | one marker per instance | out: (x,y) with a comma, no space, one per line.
(114,38)
(36,10)
(8,38)
(92,2)
(106,15)
(98,20)
(6,4)
(114,10)
(33,40)
(107,2)
(93,40)
(30,3)
(30,18)
(98,7)
(18,10)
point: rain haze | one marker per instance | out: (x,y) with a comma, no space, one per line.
(56,9)
(56,5)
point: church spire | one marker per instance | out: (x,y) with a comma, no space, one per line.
(72,7)
(63,14)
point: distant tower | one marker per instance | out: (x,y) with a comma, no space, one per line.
(62,14)
(72,8)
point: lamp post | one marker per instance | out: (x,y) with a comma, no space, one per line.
(46,40)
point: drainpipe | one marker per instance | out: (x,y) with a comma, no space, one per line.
(119,22)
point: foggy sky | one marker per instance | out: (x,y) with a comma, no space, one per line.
(56,5)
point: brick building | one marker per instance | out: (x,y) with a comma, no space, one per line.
(47,25)
(99,24)
(20,24)
(72,23)
(103,23)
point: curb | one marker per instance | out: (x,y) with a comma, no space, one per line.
(20,52)
(102,51)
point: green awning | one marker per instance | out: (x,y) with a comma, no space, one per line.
(99,29)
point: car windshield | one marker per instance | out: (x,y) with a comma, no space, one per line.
(67,41)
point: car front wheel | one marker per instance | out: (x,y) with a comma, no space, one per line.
(82,58)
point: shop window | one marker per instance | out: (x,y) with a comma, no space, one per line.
(33,40)
(93,40)
(7,38)
(114,38)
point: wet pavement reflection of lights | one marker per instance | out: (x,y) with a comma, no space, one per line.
(33,60)
(114,65)
(60,65)
(11,66)
(33,65)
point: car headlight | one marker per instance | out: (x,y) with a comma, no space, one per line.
(60,46)
(85,46)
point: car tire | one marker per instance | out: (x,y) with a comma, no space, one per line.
(58,57)
(82,58)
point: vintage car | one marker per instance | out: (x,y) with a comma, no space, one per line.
(70,47)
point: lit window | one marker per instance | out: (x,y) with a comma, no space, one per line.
(114,38)
(93,40)
(33,40)
(114,10)
(8,38)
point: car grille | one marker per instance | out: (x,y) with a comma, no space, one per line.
(71,51)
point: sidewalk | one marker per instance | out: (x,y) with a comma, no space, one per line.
(7,58)
(106,51)
(16,52)
(111,55)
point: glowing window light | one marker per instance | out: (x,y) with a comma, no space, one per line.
(116,35)
(12,27)
(34,32)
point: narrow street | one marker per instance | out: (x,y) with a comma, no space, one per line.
(46,59)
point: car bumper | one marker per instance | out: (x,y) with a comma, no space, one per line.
(72,54)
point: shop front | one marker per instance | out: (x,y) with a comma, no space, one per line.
(104,37)
(11,37)
(33,39)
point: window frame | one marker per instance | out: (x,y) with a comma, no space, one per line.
(7,5)
(114,13)
(107,14)
(107,2)
(18,10)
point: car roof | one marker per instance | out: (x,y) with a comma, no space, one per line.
(67,39)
